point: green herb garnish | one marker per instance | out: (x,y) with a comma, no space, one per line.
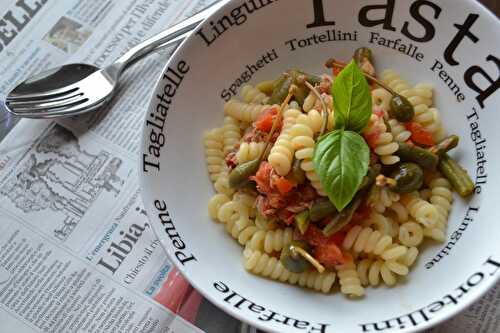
(341,157)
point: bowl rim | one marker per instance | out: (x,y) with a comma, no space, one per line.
(218,302)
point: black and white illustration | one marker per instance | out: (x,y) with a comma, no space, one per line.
(61,177)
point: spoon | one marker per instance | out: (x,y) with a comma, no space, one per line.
(78,88)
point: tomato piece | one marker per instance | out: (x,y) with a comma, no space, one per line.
(263,177)
(336,71)
(266,119)
(372,138)
(361,214)
(284,185)
(315,237)
(419,134)
(379,112)
(329,254)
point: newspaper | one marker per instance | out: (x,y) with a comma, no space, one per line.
(76,249)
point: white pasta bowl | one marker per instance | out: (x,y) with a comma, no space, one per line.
(451,44)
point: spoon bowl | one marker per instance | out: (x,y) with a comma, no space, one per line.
(79,88)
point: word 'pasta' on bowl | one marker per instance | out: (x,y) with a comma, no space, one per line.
(344,151)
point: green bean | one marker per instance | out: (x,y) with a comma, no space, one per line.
(401,109)
(298,79)
(418,155)
(445,145)
(302,221)
(321,209)
(370,177)
(409,177)
(458,176)
(343,218)
(239,175)
(297,175)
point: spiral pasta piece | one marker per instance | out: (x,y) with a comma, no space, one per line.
(382,99)
(400,211)
(382,223)
(221,185)
(410,257)
(421,99)
(383,143)
(381,197)
(249,151)
(349,281)
(398,131)
(395,82)
(281,155)
(243,111)
(214,152)
(369,241)
(309,102)
(264,224)
(216,203)
(250,94)
(232,134)
(260,263)
(422,211)
(442,199)
(302,134)
(411,234)
(271,240)
(371,271)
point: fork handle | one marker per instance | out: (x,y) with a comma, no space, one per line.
(172,35)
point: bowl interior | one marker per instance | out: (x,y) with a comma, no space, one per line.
(260,45)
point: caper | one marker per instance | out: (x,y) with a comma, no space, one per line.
(423,157)
(401,109)
(363,54)
(294,261)
(239,175)
(302,221)
(321,209)
(409,177)
(297,174)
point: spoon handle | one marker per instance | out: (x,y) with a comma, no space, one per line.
(172,35)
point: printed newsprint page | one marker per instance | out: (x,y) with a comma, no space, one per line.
(76,250)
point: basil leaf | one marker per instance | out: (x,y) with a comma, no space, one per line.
(341,162)
(352,100)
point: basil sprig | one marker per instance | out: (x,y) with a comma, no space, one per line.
(352,100)
(341,157)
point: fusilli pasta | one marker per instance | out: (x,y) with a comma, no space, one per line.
(243,111)
(214,145)
(249,151)
(350,283)
(368,241)
(271,240)
(250,94)
(281,155)
(381,140)
(302,134)
(422,211)
(262,264)
(232,133)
